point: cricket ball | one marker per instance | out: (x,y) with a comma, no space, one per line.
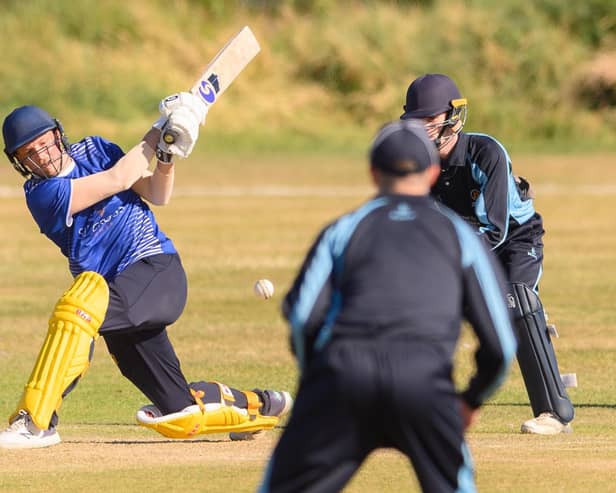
(264,289)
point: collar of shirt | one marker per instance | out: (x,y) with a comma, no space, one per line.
(457,156)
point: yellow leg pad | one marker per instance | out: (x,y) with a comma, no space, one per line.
(201,419)
(65,355)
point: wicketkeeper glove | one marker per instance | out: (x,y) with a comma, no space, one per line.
(524,187)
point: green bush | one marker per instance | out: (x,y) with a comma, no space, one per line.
(592,21)
(329,71)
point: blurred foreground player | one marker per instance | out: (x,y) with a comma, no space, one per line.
(375,314)
(129,283)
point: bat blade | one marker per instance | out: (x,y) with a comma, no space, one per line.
(222,70)
(226,66)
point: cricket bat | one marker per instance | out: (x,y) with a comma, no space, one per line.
(222,70)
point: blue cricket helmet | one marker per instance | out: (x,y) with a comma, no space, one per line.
(23,125)
(432,94)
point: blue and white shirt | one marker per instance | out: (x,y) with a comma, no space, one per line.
(106,237)
(477,182)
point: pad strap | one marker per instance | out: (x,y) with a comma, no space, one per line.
(254,404)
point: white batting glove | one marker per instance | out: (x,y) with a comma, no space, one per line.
(179,135)
(165,107)
(184,113)
(168,104)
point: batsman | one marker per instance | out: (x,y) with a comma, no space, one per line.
(478,183)
(89,198)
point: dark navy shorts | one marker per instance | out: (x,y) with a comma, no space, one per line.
(143,299)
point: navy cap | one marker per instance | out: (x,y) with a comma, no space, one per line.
(429,95)
(403,147)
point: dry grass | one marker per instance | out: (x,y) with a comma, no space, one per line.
(239,219)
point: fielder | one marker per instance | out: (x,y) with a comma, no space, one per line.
(375,315)
(477,182)
(129,284)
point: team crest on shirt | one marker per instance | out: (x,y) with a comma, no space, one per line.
(475,194)
(402,212)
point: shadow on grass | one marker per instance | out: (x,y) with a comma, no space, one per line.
(575,404)
(147,442)
(220,437)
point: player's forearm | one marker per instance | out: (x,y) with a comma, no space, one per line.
(160,184)
(89,190)
(136,161)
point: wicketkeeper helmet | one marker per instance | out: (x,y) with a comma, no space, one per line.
(433,94)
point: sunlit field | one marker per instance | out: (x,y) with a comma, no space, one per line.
(236,219)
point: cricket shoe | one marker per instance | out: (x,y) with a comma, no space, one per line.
(275,403)
(22,433)
(546,424)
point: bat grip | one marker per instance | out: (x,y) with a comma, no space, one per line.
(169,136)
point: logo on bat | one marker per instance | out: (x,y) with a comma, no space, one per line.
(209,89)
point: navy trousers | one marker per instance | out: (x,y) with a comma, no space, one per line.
(145,298)
(362,394)
(522,255)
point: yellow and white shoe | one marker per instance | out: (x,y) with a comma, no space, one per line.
(546,424)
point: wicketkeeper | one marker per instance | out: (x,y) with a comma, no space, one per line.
(477,182)
(89,198)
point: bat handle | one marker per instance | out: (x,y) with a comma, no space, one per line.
(169,136)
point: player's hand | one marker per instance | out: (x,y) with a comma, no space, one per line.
(469,415)
(185,112)
(165,107)
(180,133)
(174,101)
